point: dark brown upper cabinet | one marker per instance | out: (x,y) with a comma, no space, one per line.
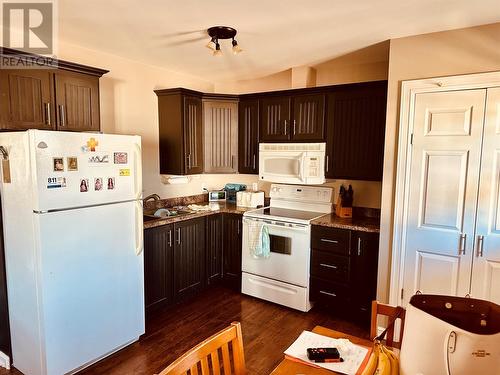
(49,98)
(355,131)
(293,118)
(27,99)
(181,131)
(77,101)
(275,119)
(308,121)
(248,133)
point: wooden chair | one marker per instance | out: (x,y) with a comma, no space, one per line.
(390,312)
(213,356)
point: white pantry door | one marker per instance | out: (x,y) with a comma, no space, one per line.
(486,269)
(444,176)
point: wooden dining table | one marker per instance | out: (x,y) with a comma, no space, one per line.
(289,367)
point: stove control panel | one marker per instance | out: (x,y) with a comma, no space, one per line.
(313,194)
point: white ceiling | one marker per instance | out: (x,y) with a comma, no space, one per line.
(275,34)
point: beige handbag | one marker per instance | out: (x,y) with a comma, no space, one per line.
(446,335)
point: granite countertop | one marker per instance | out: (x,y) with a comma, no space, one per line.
(364,224)
(224,207)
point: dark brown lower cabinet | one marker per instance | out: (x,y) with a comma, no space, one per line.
(344,271)
(174,262)
(189,257)
(214,249)
(231,271)
(158,258)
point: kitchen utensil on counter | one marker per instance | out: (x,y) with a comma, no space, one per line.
(231,190)
(344,202)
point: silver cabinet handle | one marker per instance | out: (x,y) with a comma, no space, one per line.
(188,157)
(328,266)
(294,126)
(170,238)
(328,293)
(327,163)
(254,162)
(359,246)
(62,115)
(480,244)
(286,124)
(462,242)
(48,119)
(178,236)
(327,240)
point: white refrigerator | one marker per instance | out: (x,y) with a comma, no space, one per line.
(73,237)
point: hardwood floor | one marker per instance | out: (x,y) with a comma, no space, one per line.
(268,329)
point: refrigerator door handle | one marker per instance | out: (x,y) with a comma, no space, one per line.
(138,171)
(139,230)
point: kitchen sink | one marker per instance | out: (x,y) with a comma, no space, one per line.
(149,215)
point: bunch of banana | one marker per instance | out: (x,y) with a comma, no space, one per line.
(382,361)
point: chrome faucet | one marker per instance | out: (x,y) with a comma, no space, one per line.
(154,197)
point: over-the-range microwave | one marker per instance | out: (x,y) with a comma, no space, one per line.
(292,163)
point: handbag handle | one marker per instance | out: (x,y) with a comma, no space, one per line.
(399,311)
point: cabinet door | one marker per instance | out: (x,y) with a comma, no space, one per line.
(248,134)
(364,261)
(26,99)
(77,101)
(214,248)
(232,250)
(158,253)
(275,119)
(193,135)
(355,131)
(221,136)
(308,122)
(189,257)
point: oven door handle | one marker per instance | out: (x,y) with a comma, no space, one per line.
(301,227)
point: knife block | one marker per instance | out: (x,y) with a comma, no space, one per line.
(341,211)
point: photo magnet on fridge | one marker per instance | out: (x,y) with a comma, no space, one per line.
(125,172)
(121,158)
(72,163)
(98,184)
(111,183)
(84,185)
(58,164)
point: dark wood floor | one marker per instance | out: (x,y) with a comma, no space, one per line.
(268,329)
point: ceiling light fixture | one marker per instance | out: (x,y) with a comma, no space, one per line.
(217,33)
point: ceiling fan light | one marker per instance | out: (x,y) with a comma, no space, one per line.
(217,51)
(236,48)
(211,45)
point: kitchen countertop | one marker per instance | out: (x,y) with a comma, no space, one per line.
(224,207)
(363,224)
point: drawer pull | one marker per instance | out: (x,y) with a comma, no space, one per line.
(328,265)
(327,240)
(328,293)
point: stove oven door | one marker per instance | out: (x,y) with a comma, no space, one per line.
(290,253)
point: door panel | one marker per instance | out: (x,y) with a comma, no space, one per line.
(446,154)
(77,101)
(232,250)
(193,135)
(26,99)
(309,118)
(486,269)
(275,119)
(221,137)
(214,248)
(248,133)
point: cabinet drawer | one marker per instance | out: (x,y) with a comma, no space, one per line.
(330,293)
(330,239)
(328,266)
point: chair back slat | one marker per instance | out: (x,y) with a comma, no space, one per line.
(390,312)
(197,361)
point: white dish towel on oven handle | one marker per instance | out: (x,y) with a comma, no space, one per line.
(258,239)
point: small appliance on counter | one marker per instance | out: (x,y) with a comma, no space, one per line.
(252,199)
(344,202)
(216,196)
(231,190)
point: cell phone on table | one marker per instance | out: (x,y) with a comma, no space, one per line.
(323,355)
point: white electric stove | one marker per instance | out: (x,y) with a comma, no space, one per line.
(283,277)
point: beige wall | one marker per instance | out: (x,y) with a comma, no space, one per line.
(470,50)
